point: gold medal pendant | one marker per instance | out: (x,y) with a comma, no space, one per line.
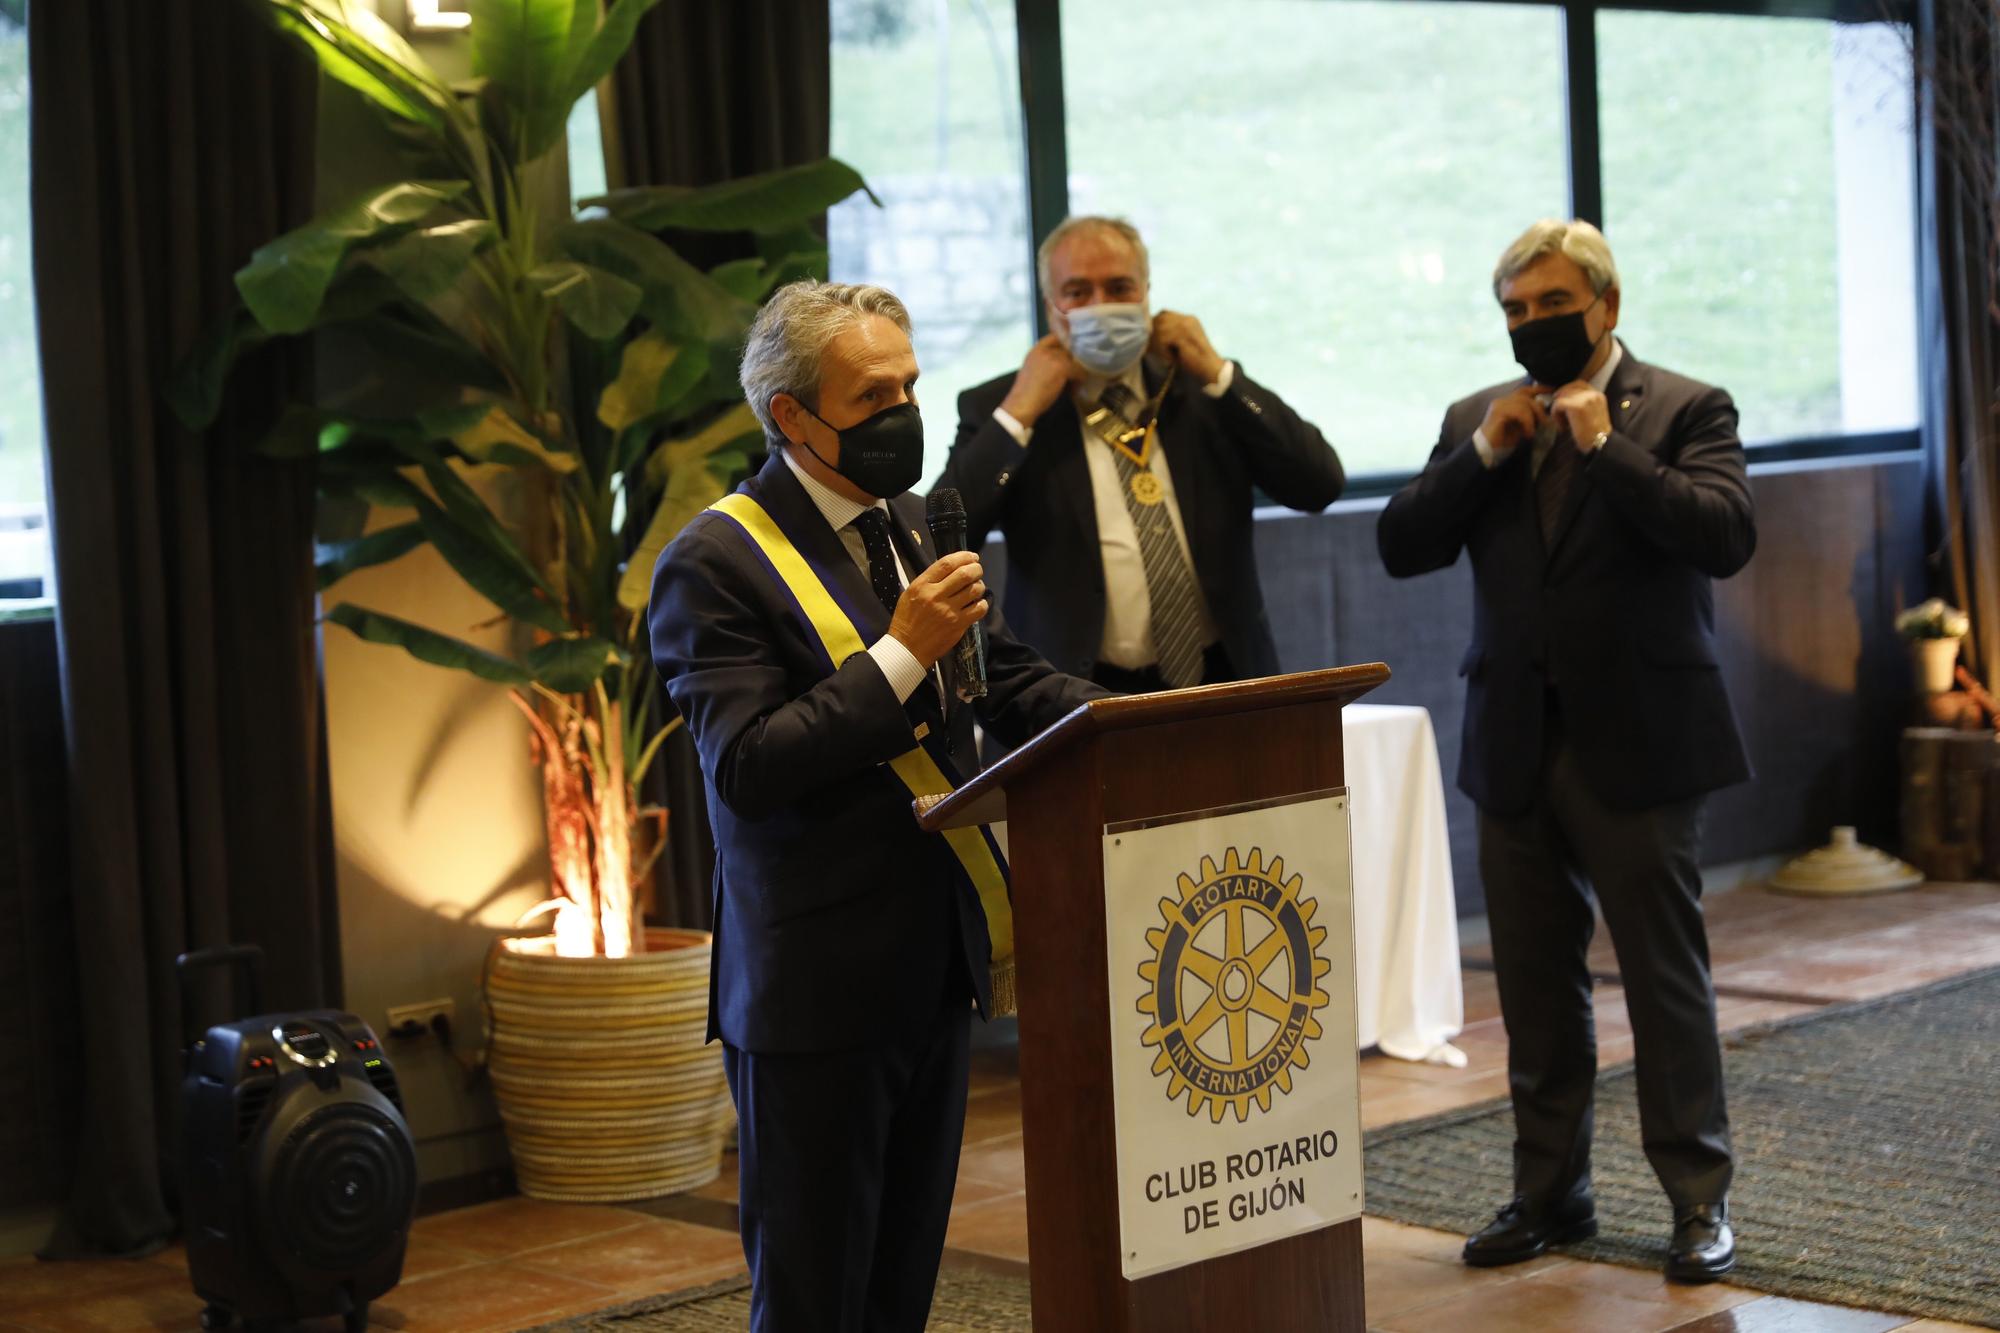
(1146,488)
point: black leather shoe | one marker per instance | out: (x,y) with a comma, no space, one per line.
(1520,1233)
(1703,1247)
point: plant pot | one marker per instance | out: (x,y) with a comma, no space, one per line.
(1934,661)
(606,1085)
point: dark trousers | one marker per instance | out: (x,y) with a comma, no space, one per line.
(848,1160)
(1539,871)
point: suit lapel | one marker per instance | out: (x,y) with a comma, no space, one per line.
(1177,438)
(794,511)
(1059,432)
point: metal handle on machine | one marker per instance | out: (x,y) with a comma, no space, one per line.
(245,960)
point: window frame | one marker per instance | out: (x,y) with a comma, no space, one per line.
(1038,36)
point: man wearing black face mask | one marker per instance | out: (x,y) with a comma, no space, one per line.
(1597,499)
(802,627)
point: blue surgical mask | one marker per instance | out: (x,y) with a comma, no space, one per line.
(1107,339)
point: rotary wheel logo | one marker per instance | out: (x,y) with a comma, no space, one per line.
(1233,984)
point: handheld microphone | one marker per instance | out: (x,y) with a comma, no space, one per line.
(945,512)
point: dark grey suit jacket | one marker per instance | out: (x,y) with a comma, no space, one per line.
(1617,612)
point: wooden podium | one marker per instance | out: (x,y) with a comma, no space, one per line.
(1115,762)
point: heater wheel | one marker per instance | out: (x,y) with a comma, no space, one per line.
(214,1316)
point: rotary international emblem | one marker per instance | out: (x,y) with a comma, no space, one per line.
(1233,984)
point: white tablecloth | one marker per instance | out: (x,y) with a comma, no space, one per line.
(1408,999)
(1406,981)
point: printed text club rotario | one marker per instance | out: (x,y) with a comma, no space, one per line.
(1248,1169)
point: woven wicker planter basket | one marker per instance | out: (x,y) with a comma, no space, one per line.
(605,1084)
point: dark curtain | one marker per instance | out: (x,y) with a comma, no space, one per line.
(1960,199)
(38,999)
(168,140)
(713,89)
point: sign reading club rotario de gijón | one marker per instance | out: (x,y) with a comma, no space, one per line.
(1231,942)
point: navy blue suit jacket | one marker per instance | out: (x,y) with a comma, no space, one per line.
(1219,450)
(838,922)
(1617,611)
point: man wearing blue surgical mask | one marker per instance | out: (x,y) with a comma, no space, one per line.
(1121,463)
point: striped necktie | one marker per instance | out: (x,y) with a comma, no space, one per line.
(1170,583)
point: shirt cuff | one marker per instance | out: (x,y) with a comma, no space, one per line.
(899,666)
(1223,379)
(1484,446)
(1022,434)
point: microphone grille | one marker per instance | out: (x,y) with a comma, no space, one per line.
(944,502)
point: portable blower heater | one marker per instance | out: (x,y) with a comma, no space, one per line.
(298,1176)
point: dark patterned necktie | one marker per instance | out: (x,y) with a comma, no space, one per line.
(882,576)
(1552,483)
(1170,583)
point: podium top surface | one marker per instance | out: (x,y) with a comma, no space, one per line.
(1126,712)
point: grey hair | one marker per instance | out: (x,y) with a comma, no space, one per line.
(789,338)
(1577,240)
(1087,222)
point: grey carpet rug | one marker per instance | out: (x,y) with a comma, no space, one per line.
(968,1300)
(1868,1157)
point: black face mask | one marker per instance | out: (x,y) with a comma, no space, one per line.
(883,455)
(1555,348)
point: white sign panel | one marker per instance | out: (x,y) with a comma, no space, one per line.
(1234,1061)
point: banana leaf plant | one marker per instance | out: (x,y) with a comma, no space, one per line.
(568,355)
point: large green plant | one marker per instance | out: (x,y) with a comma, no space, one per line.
(576,351)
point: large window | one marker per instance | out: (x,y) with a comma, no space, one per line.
(1762,212)
(926,106)
(1327,184)
(1322,184)
(24,536)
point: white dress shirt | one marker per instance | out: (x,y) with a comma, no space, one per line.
(899,665)
(1602,378)
(1128,604)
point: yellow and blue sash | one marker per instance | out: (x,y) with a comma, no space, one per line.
(925,769)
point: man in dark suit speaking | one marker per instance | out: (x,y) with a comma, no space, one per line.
(1121,463)
(1597,498)
(803,627)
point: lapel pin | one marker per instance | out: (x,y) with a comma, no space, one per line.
(1625,406)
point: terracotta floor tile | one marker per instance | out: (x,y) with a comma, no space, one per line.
(163,1303)
(1415,1100)
(1639,1284)
(993,1114)
(31,1281)
(997,1161)
(1938,1326)
(998,1227)
(1527,1306)
(512,1226)
(655,1256)
(1400,1283)
(970,1190)
(1777,1314)
(426,1257)
(490,1296)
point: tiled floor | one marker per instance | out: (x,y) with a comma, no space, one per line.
(502,1266)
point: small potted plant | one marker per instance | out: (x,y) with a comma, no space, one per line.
(1933,630)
